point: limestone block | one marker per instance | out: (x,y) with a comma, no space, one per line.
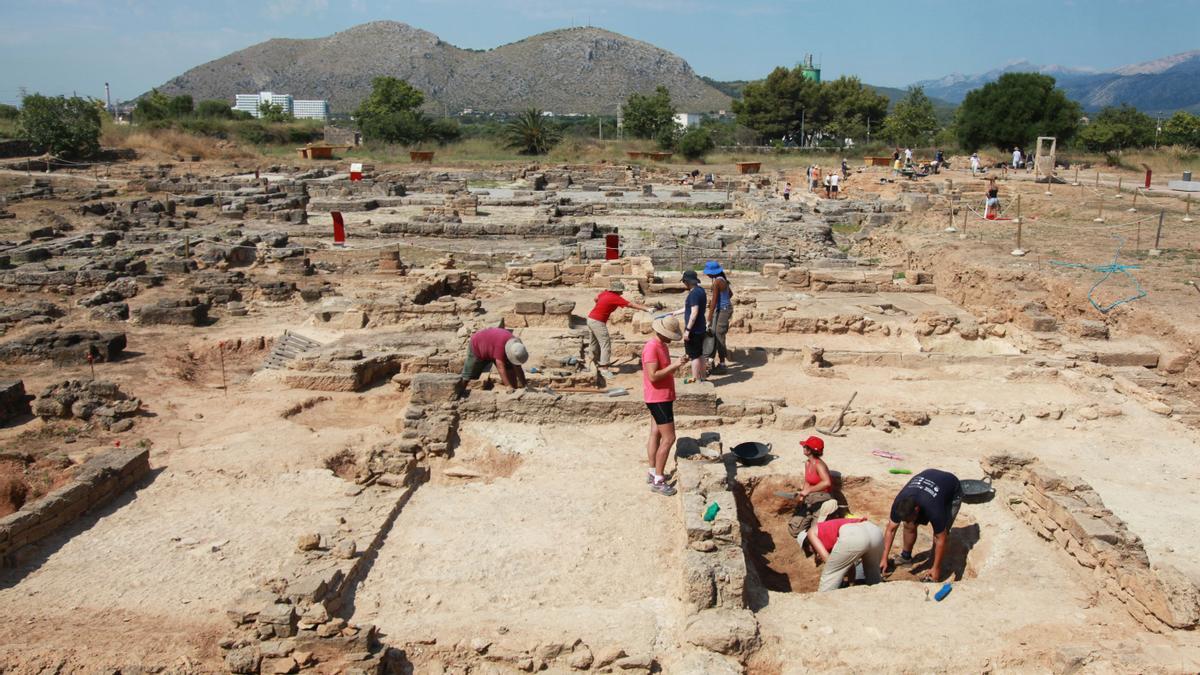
(557,306)
(431,388)
(530,307)
(699,586)
(724,631)
(547,271)
(1129,356)
(1166,592)
(794,419)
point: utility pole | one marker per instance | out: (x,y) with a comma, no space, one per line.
(802,140)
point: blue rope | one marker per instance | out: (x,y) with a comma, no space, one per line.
(1108,270)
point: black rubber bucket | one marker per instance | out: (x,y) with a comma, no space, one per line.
(752,453)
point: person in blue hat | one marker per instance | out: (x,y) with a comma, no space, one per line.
(720,310)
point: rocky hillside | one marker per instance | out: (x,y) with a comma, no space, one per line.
(1159,86)
(584,70)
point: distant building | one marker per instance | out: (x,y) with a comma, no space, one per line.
(808,70)
(687,120)
(316,109)
(311,110)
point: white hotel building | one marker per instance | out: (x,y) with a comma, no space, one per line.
(316,110)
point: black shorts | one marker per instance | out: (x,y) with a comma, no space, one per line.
(663,413)
(833,188)
(694,346)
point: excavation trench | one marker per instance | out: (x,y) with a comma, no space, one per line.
(782,567)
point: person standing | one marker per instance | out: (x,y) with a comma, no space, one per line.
(787,191)
(694,326)
(841,544)
(500,347)
(658,391)
(834,179)
(607,302)
(931,497)
(907,156)
(720,311)
(815,178)
(974,163)
(845,169)
(1016,158)
(938,159)
(992,205)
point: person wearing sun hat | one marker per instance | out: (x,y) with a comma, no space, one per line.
(694,325)
(658,392)
(818,502)
(720,310)
(607,302)
(500,347)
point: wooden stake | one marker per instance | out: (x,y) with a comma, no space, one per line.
(1137,241)
(1187,212)
(1133,206)
(187,246)
(964,230)
(1076,174)
(221,347)
(1097,179)
(1158,233)
(1119,195)
(1099,210)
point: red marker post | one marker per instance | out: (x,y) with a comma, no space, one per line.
(92,364)
(339,229)
(356,171)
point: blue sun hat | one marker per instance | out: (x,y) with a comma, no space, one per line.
(713,268)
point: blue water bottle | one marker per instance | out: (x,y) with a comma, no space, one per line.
(943,592)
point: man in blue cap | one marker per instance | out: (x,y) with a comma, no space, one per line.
(720,310)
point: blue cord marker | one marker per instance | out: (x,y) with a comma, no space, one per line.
(943,592)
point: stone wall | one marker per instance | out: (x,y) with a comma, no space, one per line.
(14,402)
(96,482)
(1067,512)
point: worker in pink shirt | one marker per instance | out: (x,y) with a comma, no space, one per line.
(658,388)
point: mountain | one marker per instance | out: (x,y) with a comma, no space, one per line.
(1161,86)
(576,70)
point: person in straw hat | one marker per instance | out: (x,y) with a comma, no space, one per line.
(500,347)
(658,388)
(607,302)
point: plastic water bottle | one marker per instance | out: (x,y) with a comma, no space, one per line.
(943,592)
(711,512)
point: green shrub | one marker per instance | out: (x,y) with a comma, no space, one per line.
(696,143)
(9,112)
(61,126)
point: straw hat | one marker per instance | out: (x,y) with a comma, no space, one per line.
(515,352)
(668,327)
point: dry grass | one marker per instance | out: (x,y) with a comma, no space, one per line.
(171,144)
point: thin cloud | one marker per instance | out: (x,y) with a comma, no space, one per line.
(278,9)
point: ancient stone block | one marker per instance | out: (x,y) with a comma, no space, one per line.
(530,307)
(724,631)
(432,388)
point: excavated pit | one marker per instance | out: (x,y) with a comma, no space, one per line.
(780,563)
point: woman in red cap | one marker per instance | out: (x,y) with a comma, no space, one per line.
(818,502)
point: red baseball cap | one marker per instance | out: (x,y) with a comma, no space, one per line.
(815,444)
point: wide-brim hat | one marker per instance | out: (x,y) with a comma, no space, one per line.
(515,352)
(690,275)
(616,286)
(712,268)
(668,327)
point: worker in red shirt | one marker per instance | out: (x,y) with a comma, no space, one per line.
(607,302)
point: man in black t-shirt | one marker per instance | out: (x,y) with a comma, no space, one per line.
(932,497)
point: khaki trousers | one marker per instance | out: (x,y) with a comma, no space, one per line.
(599,343)
(856,541)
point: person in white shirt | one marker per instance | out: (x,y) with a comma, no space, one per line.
(974,163)
(907,156)
(834,179)
(1016,157)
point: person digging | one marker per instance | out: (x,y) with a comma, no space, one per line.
(607,302)
(818,502)
(931,497)
(499,347)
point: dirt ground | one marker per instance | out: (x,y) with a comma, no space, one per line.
(535,533)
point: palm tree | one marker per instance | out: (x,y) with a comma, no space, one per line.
(530,133)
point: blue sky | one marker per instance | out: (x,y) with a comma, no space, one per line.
(64,46)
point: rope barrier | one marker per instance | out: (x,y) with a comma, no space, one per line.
(1108,271)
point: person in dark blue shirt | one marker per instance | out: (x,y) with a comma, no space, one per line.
(931,497)
(694,325)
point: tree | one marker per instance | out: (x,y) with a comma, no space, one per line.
(695,143)
(530,133)
(1014,110)
(215,108)
(788,103)
(273,112)
(9,112)
(390,113)
(1183,128)
(912,121)
(1118,129)
(649,116)
(158,106)
(63,126)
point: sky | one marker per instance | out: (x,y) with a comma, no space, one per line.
(75,46)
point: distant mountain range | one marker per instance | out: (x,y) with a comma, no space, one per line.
(1161,86)
(577,70)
